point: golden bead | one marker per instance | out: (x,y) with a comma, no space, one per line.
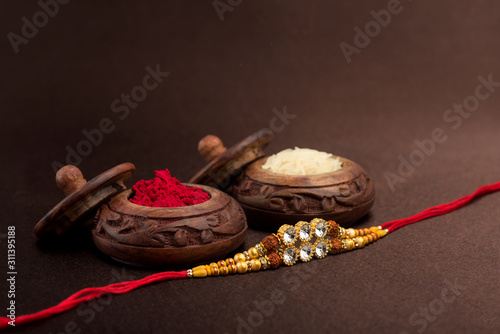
(240,257)
(231,269)
(263,249)
(223,270)
(241,267)
(221,263)
(229,261)
(209,271)
(253,252)
(264,262)
(200,272)
(214,270)
(360,242)
(342,233)
(255,264)
(381,233)
(249,266)
(199,267)
(351,233)
(349,244)
(374,228)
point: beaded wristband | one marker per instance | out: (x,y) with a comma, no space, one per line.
(303,241)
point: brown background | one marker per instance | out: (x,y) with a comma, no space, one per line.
(226,77)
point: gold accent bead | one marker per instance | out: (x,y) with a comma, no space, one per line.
(382,233)
(351,233)
(209,271)
(223,270)
(200,272)
(255,264)
(360,242)
(263,249)
(221,263)
(229,261)
(349,244)
(264,261)
(249,266)
(199,267)
(328,227)
(214,269)
(241,267)
(240,257)
(232,269)
(366,231)
(253,252)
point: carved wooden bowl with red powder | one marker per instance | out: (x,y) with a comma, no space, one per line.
(143,235)
(152,236)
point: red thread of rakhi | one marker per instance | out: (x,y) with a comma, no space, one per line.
(442,208)
(92,293)
(124,287)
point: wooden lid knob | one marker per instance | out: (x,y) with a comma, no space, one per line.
(69,179)
(210,147)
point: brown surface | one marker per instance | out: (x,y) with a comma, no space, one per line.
(225,79)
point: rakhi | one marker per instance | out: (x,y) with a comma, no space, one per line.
(303,241)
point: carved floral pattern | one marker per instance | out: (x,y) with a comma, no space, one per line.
(131,230)
(333,198)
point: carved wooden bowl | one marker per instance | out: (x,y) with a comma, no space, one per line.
(271,199)
(141,235)
(150,236)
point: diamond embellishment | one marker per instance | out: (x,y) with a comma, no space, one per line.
(321,250)
(306,253)
(263,261)
(320,229)
(259,249)
(305,232)
(290,256)
(289,235)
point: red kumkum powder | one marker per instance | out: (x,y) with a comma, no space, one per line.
(166,191)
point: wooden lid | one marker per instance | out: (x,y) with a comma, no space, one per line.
(82,198)
(224,164)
